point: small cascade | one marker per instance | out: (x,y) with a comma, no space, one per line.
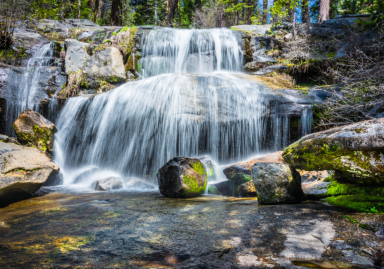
(306,120)
(192,101)
(24,89)
(190,51)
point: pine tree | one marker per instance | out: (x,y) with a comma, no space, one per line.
(323,11)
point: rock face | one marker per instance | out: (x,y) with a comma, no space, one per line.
(354,151)
(182,177)
(111,183)
(277,183)
(105,63)
(23,171)
(32,128)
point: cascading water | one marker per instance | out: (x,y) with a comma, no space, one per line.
(26,92)
(187,105)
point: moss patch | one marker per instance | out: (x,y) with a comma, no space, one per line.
(363,203)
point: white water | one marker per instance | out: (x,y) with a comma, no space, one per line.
(187,105)
(27,89)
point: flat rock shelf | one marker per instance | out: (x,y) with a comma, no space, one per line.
(146,230)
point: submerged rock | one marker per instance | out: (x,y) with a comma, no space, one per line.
(32,128)
(277,183)
(23,171)
(354,151)
(182,177)
(111,183)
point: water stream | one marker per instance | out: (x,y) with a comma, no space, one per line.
(192,102)
(24,91)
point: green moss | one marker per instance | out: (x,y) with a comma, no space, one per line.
(366,227)
(336,188)
(194,188)
(363,203)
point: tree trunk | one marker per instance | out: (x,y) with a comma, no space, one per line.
(248,13)
(294,25)
(198,5)
(79,8)
(305,18)
(265,12)
(115,12)
(62,10)
(221,16)
(324,11)
(171,11)
(178,9)
(155,12)
(95,10)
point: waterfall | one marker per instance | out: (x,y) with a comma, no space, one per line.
(25,92)
(306,120)
(193,102)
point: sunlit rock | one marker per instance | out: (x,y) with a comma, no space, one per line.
(32,128)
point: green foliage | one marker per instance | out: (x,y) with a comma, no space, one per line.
(54,9)
(281,8)
(377,12)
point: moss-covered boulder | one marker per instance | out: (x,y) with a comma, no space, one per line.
(33,129)
(277,183)
(182,177)
(355,152)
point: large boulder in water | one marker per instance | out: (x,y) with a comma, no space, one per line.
(354,151)
(182,177)
(277,183)
(33,129)
(23,171)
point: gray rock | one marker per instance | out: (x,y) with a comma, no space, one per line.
(4,71)
(354,151)
(106,64)
(111,183)
(270,69)
(316,190)
(255,29)
(288,37)
(182,177)
(277,183)
(23,171)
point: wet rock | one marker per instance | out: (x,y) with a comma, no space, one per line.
(354,151)
(55,178)
(23,171)
(270,69)
(182,177)
(111,183)
(212,189)
(30,42)
(247,189)
(208,165)
(32,128)
(277,183)
(102,62)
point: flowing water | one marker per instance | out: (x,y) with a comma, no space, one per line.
(25,91)
(192,102)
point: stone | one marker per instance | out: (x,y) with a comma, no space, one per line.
(354,151)
(182,177)
(23,170)
(255,29)
(247,189)
(242,170)
(102,62)
(32,128)
(213,190)
(310,176)
(288,37)
(209,167)
(316,189)
(111,183)
(270,69)
(277,183)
